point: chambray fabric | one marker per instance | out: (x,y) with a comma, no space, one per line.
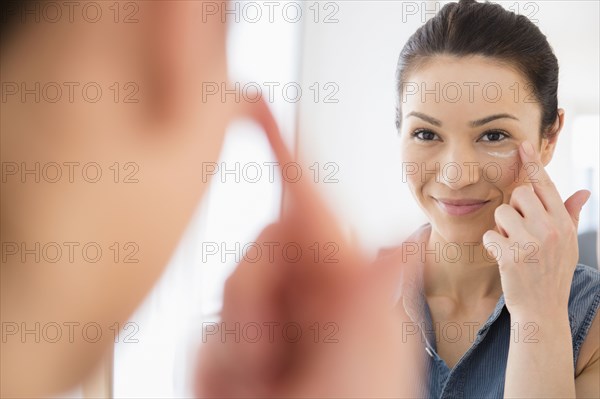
(480,373)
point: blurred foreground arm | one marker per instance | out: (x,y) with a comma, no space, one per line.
(320,324)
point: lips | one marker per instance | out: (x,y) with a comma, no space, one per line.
(460,207)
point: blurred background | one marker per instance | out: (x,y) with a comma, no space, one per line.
(327,69)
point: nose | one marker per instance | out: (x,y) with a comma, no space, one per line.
(460,167)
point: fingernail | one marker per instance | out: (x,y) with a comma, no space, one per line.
(528,148)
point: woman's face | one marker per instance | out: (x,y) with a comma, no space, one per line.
(462,122)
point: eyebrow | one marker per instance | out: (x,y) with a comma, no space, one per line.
(476,123)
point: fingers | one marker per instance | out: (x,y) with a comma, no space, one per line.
(307,209)
(493,242)
(575,203)
(508,220)
(307,222)
(328,283)
(293,283)
(253,299)
(545,188)
(526,202)
(539,178)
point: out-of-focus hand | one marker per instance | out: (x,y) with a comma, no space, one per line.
(313,321)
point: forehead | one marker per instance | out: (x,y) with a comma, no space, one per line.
(461,89)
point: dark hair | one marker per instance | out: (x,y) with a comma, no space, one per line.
(10,15)
(470,28)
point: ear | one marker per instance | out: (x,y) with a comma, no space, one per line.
(549,142)
(186,49)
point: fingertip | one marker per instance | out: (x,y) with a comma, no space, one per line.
(488,236)
(528,149)
(587,195)
(585,198)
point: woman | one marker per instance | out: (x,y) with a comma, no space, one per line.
(496,292)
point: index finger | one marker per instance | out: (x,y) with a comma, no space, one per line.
(538,177)
(308,220)
(305,205)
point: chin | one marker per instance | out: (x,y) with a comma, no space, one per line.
(462,229)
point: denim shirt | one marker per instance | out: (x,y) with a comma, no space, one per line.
(481,371)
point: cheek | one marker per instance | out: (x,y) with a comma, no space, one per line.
(414,161)
(415,184)
(418,156)
(503,174)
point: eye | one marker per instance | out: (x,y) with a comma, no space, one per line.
(495,136)
(424,135)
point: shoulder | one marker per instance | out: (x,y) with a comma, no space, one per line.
(584,302)
(586,275)
(585,292)
(589,352)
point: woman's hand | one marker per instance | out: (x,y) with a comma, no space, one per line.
(307,329)
(316,320)
(536,242)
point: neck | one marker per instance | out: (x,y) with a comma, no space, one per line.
(460,271)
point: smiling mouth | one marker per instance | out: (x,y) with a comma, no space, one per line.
(460,207)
